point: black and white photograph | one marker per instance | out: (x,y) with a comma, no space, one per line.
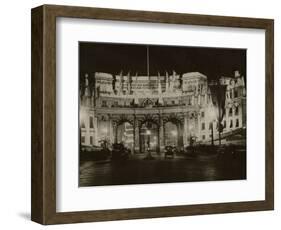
(161,114)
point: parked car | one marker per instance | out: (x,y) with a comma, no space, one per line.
(94,153)
(120,152)
(170,152)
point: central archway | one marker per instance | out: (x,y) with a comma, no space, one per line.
(149,136)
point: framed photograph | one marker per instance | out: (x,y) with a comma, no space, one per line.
(141,114)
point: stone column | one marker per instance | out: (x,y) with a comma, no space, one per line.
(180,135)
(226,119)
(137,146)
(158,150)
(134,135)
(161,136)
(111,135)
(96,131)
(115,131)
(140,138)
(164,133)
(197,126)
(185,130)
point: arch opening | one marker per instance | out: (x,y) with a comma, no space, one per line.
(149,136)
(125,134)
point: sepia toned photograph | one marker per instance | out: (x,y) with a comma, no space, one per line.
(161,114)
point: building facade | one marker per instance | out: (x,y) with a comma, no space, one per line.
(168,109)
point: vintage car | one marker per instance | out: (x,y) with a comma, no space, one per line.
(170,152)
(120,152)
(94,153)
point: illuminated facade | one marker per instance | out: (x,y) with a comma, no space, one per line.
(167,109)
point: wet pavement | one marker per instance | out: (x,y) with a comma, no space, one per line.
(136,170)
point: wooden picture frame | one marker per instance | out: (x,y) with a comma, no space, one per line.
(43,208)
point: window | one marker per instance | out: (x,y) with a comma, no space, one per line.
(203,137)
(83,139)
(236,110)
(202,114)
(82,124)
(235,93)
(173,102)
(210,125)
(230,112)
(91,122)
(203,126)
(91,140)
(224,124)
(237,123)
(115,104)
(231,124)
(104,104)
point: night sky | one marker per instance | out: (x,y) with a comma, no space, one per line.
(112,58)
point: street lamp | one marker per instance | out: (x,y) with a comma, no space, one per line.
(148,133)
(148,156)
(190,136)
(174,134)
(103,139)
(212,115)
